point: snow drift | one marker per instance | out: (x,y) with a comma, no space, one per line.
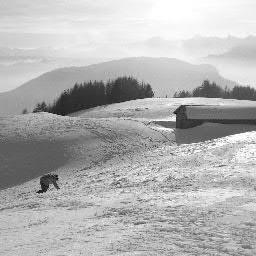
(34,144)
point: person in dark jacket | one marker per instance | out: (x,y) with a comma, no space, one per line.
(46,180)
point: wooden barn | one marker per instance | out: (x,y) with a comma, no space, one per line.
(188,116)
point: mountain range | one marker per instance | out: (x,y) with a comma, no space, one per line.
(19,65)
(166,75)
(238,54)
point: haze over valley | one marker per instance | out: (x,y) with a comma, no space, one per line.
(234,57)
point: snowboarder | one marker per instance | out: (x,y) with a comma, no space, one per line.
(46,180)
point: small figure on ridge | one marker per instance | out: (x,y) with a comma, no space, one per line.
(46,180)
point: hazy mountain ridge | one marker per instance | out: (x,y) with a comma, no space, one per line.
(240,53)
(197,46)
(164,74)
(19,65)
(200,45)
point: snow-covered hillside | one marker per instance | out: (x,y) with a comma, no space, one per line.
(154,109)
(34,144)
(127,187)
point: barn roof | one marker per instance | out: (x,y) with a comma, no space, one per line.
(216,112)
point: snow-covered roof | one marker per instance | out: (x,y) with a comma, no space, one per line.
(221,112)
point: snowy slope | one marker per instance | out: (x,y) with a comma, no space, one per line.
(156,108)
(128,189)
(34,144)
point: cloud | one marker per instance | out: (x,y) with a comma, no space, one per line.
(76,8)
(115,21)
(90,19)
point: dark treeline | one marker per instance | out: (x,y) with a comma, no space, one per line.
(212,90)
(97,93)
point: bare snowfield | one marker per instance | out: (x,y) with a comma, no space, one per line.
(129,186)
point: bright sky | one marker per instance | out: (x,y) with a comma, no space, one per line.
(33,23)
(96,30)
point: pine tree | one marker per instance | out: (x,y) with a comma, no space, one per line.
(40,107)
(95,93)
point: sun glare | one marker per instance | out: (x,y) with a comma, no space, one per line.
(176,11)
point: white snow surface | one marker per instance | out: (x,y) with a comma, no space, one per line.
(156,108)
(129,186)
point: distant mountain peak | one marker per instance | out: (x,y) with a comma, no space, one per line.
(166,75)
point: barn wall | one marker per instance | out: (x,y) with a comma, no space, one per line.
(186,123)
(182,122)
(181,117)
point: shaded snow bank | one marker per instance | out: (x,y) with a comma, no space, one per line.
(34,144)
(204,132)
(209,131)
